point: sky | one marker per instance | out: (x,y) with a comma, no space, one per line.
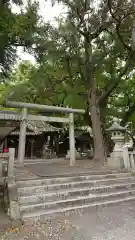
(48,13)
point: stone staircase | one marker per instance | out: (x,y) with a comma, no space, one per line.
(29,161)
(45,198)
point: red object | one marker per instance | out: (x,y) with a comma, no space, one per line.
(5,150)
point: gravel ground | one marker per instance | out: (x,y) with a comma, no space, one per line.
(109,223)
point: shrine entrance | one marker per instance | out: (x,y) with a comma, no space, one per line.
(25,116)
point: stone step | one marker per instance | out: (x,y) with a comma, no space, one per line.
(36,161)
(67,179)
(87,183)
(72,193)
(81,200)
(32,162)
(79,172)
(41,215)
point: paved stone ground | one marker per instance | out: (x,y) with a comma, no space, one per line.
(23,173)
(53,167)
(109,223)
(61,167)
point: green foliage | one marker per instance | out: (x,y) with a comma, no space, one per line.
(61,74)
(15,30)
(123,102)
(41,84)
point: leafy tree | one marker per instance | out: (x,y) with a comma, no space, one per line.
(122,105)
(43,84)
(15,30)
(96,43)
(89,55)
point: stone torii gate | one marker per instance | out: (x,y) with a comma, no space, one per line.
(25,116)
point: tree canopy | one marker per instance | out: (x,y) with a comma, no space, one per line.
(15,30)
(85,61)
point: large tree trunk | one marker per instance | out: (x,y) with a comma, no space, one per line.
(108,143)
(99,150)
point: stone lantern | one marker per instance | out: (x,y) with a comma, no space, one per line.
(117,135)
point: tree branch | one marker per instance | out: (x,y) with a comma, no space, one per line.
(118,24)
(69,70)
(79,60)
(109,4)
(111,88)
(101,29)
(120,37)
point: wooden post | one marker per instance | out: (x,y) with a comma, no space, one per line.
(71,139)
(11,163)
(22,138)
(32,148)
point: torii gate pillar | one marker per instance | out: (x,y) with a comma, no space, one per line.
(22,137)
(71,139)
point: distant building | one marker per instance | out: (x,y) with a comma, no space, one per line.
(38,134)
